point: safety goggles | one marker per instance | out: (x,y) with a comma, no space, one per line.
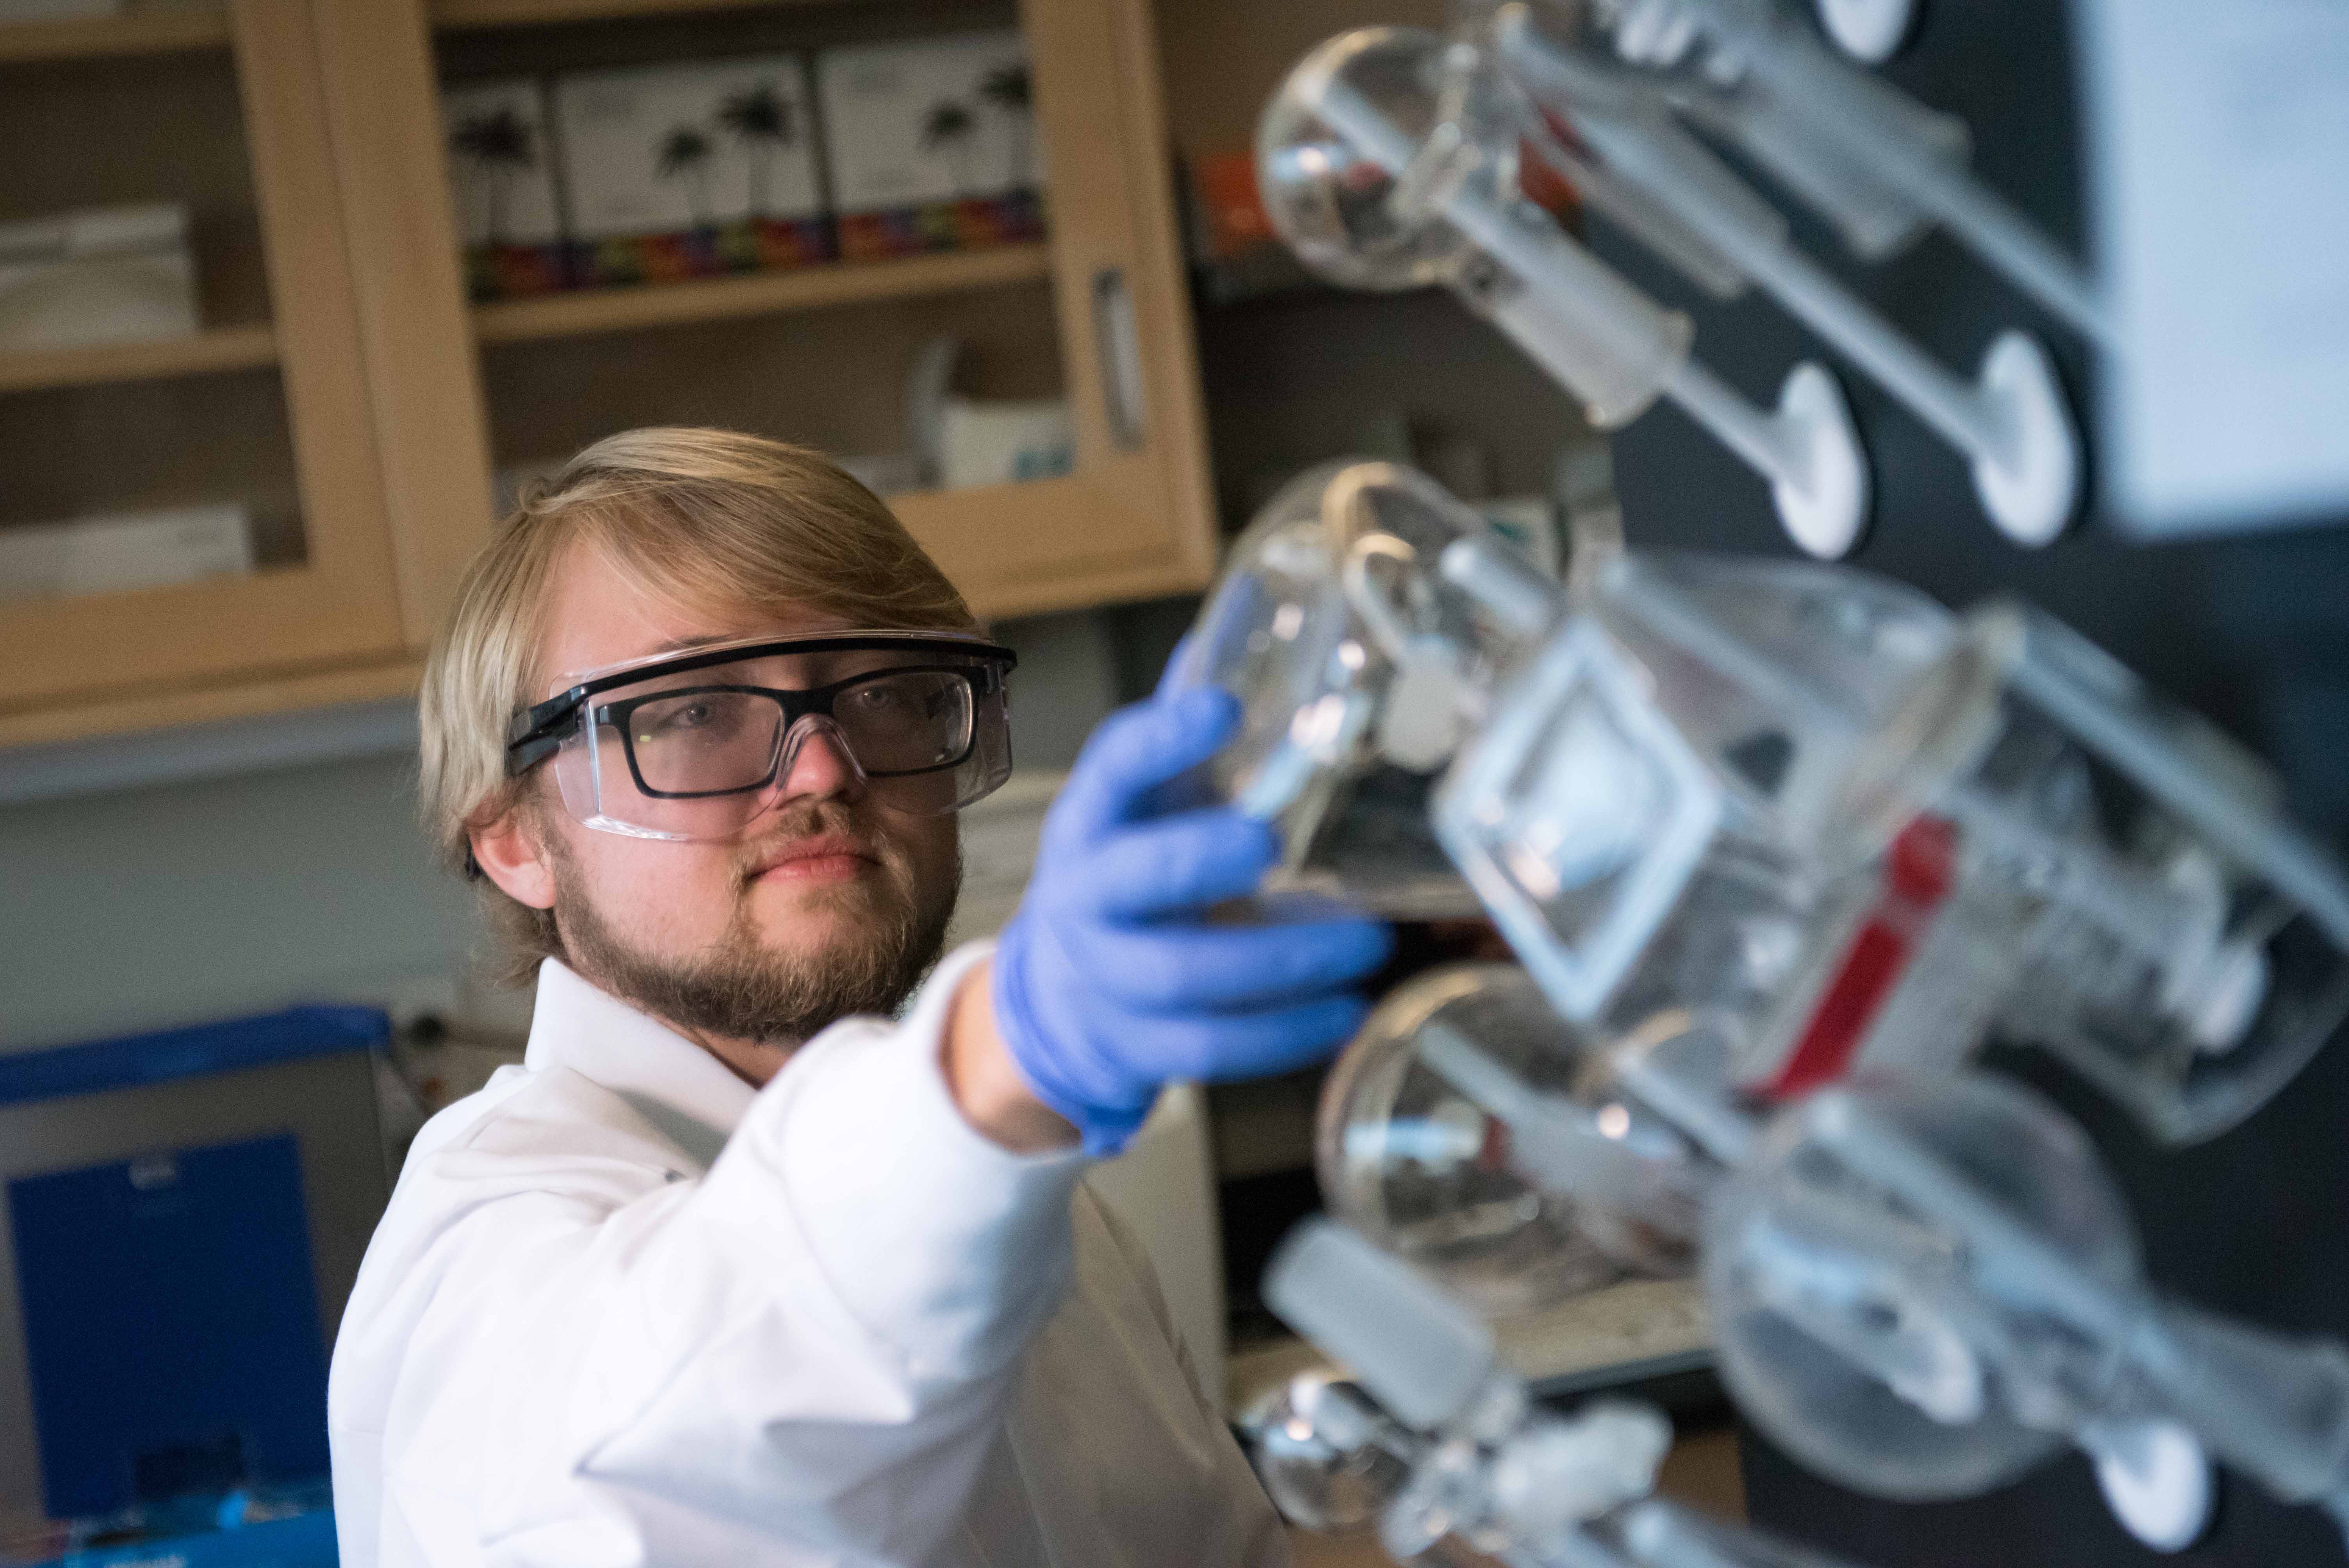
(699,745)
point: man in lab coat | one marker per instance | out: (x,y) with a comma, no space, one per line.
(735,1269)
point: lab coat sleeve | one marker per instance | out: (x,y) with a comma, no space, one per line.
(816,1338)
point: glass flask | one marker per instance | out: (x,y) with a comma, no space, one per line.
(1389,158)
(1876,164)
(1920,1291)
(1327,1456)
(1856,834)
(2174,939)
(1465,1130)
(1818,126)
(1383,144)
(1360,667)
(1475,1458)
(1842,1315)
(1704,793)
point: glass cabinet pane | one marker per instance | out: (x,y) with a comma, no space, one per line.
(143,423)
(197,468)
(823,224)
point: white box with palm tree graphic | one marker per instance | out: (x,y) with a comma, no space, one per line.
(685,170)
(502,173)
(930,144)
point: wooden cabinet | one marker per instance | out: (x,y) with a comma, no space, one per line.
(266,406)
(347,393)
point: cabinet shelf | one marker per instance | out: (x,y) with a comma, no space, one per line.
(205,354)
(589,311)
(140,33)
(355,402)
(525,13)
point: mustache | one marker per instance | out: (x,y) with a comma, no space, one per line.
(826,819)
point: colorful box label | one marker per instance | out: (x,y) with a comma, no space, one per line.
(691,171)
(931,144)
(501,178)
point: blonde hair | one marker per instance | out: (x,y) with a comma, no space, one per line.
(703,520)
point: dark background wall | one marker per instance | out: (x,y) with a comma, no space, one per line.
(2252,630)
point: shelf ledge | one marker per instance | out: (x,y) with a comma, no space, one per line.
(583,312)
(167,31)
(526,13)
(205,354)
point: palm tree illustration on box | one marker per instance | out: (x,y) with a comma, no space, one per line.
(501,144)
(683,154)
(765,123)
(1007,88)
(948,129)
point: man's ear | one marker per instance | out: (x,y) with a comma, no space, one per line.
(509,851)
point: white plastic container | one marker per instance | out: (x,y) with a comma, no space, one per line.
(1005,442)
(102,274)
(124,550)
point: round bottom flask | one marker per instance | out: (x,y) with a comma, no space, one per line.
(1314,1442)
(1854,1326)
(1356,664)
(1411,1156)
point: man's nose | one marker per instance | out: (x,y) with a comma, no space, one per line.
(820,768)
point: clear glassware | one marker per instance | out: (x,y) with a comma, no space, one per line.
(1840,1315)
(1641,164)
(1700,790)
(1877,165)
(1855,833)
(2174,939)
(1466,1131)
(1438,1441)
(1371,157)
(1359,667)
(1820,151)
(1328,1456)
(1389,158)
(1922,1291)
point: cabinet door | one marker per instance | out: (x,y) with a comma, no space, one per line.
(248,419)
(1137,516)
(813,350)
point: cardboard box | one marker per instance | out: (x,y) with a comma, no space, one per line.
(501,176)
(932,144)
(122,551)
(689,170)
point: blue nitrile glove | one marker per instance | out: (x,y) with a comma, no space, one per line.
(1108,982)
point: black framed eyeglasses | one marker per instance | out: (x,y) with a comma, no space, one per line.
(697,741)
(930,733)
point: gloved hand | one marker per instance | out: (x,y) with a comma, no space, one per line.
(1108,982)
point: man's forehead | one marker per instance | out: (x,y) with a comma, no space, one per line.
(598,616)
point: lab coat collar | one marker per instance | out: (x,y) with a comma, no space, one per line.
(595,1034)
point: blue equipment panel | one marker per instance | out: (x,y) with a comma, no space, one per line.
(172,1324)
(292,1034)
(305,1540)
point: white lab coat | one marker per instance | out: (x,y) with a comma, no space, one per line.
(624,1310)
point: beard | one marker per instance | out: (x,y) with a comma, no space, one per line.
(740,988)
